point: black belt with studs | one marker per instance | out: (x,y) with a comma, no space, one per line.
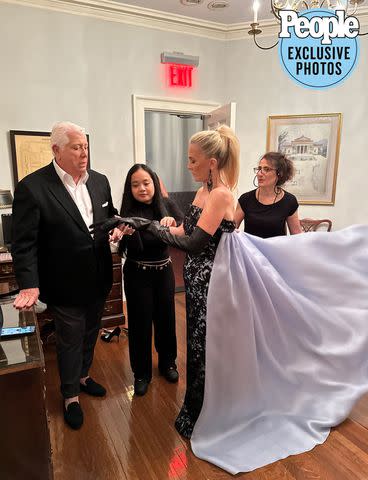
(152,265)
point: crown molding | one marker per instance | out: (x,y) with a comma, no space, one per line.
(122,13)
(112,11)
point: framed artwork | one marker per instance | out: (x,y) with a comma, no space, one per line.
(313,143)
(31,151)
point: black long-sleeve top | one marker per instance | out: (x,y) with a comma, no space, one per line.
(143,246)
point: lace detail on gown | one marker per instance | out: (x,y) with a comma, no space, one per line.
(197,273)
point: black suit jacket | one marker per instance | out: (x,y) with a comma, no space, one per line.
(51,246)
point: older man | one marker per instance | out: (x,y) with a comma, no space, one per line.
(58,260)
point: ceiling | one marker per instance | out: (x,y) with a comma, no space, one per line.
(237,11)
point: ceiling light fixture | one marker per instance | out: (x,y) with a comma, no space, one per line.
(350,7)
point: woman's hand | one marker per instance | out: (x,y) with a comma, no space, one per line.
(168,222)
(118,233)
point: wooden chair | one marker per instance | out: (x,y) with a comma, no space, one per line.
(311,225)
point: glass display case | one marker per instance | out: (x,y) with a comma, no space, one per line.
(20,349)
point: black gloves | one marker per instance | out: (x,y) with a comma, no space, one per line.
(137,223)
(105,226)
(193,244)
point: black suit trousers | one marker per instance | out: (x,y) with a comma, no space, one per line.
(76,330)
(150,301)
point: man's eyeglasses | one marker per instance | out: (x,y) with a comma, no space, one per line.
(263,169)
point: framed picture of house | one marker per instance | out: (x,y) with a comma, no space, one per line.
(30,151)
(313,143)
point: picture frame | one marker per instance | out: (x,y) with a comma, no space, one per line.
(312,142)
(30,151)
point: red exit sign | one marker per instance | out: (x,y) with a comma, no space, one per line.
(179,75)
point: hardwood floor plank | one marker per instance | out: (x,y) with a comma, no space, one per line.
(306,467)
(356,433)
(342,458)
(360,411)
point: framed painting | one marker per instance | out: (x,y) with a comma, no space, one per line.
(31,151)
(312,142)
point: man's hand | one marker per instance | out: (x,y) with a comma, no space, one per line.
(26,298)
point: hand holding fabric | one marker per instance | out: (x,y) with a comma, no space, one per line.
(106,225)
(137,223)
(168,222)
(117,234)
(193,244)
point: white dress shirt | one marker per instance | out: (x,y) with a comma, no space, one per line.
(78,192)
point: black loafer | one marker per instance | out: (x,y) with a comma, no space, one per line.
(171,374)
(73,415)
(93,388)
(140,386)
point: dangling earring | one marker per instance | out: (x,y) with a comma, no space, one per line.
(210,181)
(276,188)
(254,181)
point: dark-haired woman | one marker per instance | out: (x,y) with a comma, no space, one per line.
(267,209)
(149,283)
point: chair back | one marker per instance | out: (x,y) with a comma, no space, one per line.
(312,225)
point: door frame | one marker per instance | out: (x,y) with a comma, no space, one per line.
(141,103)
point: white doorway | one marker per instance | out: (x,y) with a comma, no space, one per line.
(214,112)
(196,116)
(162,128)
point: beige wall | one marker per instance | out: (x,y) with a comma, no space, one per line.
(60,66)
(261,88)
(65,67)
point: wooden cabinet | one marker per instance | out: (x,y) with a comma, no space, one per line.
(113,311)
(7,278)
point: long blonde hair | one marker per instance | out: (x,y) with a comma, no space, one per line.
(223,145)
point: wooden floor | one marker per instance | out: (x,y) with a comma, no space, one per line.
(133,438)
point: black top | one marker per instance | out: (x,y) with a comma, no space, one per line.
(143,245)
(266,220)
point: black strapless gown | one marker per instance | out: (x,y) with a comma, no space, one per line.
(197,273)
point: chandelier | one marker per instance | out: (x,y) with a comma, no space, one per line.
(349,6)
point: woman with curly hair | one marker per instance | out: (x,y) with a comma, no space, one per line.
(267,209)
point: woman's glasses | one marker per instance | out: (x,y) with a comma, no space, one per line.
(263,169)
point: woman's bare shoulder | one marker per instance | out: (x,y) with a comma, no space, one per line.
(198,196)
(221,194)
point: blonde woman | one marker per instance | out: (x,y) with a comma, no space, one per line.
(277,335)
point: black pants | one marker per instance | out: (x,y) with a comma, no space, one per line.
(76,331)
(150,300)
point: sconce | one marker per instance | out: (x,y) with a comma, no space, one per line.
(6,199)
